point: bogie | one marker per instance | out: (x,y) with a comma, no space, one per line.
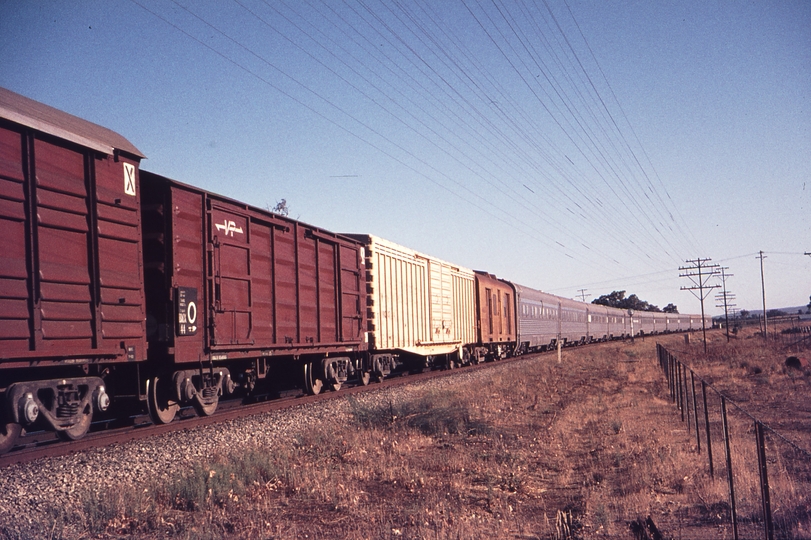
(9,431)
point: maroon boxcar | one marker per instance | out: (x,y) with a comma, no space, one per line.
(233,290)
(495,318)
(71,287)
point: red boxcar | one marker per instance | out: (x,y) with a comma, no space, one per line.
(71,287)
(495,318)
(231,287)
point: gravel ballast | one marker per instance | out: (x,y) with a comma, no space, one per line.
(34,493)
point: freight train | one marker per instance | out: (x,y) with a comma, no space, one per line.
(123,291)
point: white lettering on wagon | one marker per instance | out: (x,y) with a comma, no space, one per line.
(230,227)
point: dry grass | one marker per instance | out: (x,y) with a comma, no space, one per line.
(594,439)
(754,375)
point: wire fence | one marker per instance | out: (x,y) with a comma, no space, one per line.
(788,330)
(765,478)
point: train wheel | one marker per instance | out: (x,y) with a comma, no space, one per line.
(421,364)
(206,406)
(9,431)
(162,410)
(206,402)
(312,384)
(365,378)
(79,429)
(331,370)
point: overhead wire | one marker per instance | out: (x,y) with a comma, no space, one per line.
(517,200)
(449,124)
(683,229)
(590,139)
(468,157)
(482,208)
(557,121)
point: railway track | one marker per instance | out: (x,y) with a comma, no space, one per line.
(38,445)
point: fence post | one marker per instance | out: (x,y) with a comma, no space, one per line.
(768,527)
(680,400)
(687,397)
(663,361)
(670,376)
(695,410)
(675,379)
(660,356)
(729,468)
(707,426)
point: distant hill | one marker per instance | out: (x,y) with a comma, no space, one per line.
(756,313)
(787,310)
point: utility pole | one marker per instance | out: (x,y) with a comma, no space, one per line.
(763,290)
(726,297)
(700,273)
(582,294)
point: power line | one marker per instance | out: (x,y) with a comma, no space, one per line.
(428,80)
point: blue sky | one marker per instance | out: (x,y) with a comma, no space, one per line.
(563,145)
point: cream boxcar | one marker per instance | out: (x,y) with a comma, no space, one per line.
(421,310)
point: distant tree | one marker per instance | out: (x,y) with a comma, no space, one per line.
(744,314)
(617,300)
(776,313)
(670,308)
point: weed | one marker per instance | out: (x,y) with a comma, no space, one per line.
(433,415)
(221,483)
(371,416)
(99,510)
(601,517)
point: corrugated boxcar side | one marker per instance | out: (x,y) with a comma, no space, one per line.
(262,284)
(418,304)
(70,279)
(15,317)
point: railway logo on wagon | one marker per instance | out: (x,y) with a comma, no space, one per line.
(129,179)
(230,227)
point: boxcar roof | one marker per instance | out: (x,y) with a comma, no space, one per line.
(46,119)
(245,207)
(387,245)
